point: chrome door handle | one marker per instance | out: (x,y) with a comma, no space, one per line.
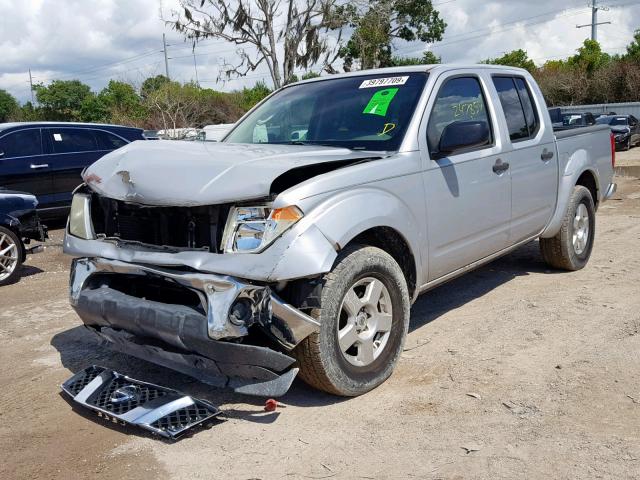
(546,155)
(42,165)
(500,167)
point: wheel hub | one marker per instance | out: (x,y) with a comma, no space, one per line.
(365,321)
(8,256)
(580,229)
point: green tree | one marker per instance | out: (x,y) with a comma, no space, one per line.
(152,84)
(123,103)
(378,23)
(8,105)
(516,58)
(62,99)
(428,58)
(633,49)
(589,58)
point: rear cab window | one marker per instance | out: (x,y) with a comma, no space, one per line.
(21,143)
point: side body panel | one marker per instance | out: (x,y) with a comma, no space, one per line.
(579,151)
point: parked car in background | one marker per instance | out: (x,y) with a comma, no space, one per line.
(19,224)
(405,178)
(46,159)
(215,133)
(625,129)
(576,120)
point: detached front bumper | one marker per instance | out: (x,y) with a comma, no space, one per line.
(189,321)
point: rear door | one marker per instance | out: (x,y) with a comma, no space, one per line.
(72,149)
(23,164)
(634,126)
(468,193)
(531,152)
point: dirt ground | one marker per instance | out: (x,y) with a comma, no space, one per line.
(512,371)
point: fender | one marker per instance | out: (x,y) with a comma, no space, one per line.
(575,166)
(345,215)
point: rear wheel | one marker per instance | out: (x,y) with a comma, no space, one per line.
(364,317)
(571,248)
(10,256)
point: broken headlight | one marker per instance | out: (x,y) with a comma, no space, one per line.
(80,217)
(252,229)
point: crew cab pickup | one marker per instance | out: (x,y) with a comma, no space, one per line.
(299,243)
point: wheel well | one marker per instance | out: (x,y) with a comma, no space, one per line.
(588,180)
(389,240)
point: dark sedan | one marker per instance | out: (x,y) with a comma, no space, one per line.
(19,224)
(625,129)
(46,159)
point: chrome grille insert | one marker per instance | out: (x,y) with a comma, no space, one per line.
(121,399)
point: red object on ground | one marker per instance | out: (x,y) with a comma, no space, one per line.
(270,405)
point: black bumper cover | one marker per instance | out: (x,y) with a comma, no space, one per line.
(175,336)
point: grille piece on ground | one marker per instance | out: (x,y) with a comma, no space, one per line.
(118,398)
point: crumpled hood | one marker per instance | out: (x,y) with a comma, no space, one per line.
(201,173)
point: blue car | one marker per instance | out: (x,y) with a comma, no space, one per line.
(47,158)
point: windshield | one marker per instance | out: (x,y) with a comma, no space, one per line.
(369,112)
(612,120)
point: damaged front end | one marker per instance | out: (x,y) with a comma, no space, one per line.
(216,328)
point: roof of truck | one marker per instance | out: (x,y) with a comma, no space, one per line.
(439,67)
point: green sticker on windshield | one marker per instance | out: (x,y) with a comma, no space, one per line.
(379,103)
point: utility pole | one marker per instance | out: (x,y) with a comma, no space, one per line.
(166,59)
(31,85)
(594,19)
(195,66)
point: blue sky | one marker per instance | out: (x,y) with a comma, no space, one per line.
(96,40)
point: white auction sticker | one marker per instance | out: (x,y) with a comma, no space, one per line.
(384,82)
(57,137)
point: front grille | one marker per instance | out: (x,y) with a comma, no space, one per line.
(115,397)
(198,227)
(179,419)
(83,378)
(144,393)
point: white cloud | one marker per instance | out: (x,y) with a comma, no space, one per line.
(101,39)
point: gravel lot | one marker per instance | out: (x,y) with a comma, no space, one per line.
(513,371)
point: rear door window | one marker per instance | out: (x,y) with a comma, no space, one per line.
(71,140)
(108,141)
(23,143)
(512,108)
(530,113)
(459,100)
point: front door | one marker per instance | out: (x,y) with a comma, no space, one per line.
(23,166)
(468,192)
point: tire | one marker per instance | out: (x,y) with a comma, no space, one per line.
(11,251)
(377,332)
(627,147)
(569,249)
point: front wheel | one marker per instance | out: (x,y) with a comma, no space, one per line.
(571,248)
(10,256)
(364,317)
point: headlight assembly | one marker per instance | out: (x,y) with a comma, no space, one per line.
(252,229)
(80,217)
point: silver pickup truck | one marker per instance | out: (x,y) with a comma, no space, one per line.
(299,243)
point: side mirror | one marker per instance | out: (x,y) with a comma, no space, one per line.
(462,135)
